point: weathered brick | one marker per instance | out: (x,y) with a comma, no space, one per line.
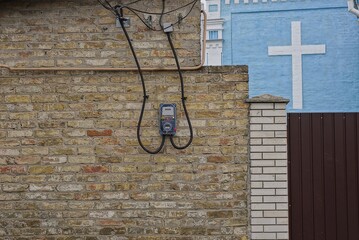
(27,160)
(35,150)
(15,187)
(81,159)
(70,187)
(43,98)
(99,133)
(62,151)
(18,98)
(41,170)
(20,133)
(23,116)
(9,152)
(95,169)
(80,124)
(51,142)
(219,159)
(41,188)
(47,133)
(99,187)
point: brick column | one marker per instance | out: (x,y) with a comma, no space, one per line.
(268,168)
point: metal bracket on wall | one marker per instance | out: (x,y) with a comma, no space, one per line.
(180,18)
(148,20)
(126,22)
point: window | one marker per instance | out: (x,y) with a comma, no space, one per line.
(213,35)
(213,8)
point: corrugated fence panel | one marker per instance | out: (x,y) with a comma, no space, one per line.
(323,176)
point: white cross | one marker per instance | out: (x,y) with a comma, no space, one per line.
(296,50)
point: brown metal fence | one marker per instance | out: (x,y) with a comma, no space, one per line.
(323,176)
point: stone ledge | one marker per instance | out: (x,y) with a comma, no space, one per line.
(226,69)
(267,98)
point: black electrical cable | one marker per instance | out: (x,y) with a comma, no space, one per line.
(156,13)
(108,4)
(132,3)
(162,13)
(113,11)
(180,20)
(133,10)
(143,21)
(108,8)
(182,97)
(125,5)
(145,96)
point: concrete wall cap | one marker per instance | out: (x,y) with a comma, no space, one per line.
(267,98)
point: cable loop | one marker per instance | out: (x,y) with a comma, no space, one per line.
(119,14)
(145,97)
(183,97)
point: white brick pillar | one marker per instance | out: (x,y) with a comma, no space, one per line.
(268,168)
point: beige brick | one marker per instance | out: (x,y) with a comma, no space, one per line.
(23,116)
(35,150)
(20,133)
(47,133)
(43,98)
(70,187)
(80,124)
(13,187)
(18,99)
(81,159)
(41,170)
(9,152)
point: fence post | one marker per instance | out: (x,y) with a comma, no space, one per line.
(268,168)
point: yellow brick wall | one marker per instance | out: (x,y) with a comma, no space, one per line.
(70,163)
(82,34)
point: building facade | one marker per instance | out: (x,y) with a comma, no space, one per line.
(306,51)
(214,43)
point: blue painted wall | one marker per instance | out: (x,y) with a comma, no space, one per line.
(330,80)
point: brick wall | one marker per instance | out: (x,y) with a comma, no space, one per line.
(268,168)
(83,34)
(70,164)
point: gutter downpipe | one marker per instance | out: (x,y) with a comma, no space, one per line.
(151,69)
(352,9)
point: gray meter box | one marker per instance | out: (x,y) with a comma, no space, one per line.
(167,117)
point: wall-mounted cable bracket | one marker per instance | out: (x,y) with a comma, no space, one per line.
(179,18)
(148,20)
(167,27)
(126,22)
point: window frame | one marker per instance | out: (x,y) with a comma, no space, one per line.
(213,35)
(211,6)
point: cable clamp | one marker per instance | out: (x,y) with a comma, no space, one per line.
(146,96)
(184,98)
(167,27)
(119,14)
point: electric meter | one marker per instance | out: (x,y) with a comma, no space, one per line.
(167,119)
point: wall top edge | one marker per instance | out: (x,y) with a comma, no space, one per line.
(227,2)
(267,98)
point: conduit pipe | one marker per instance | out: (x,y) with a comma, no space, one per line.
(151,69)
(352,9)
